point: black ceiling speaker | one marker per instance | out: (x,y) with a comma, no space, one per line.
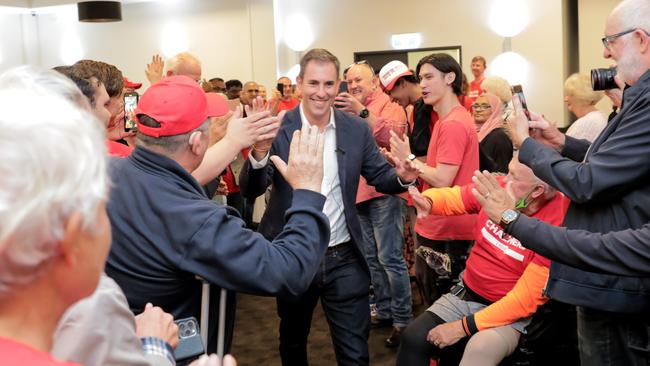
(99,11)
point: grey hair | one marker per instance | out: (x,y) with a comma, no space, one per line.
(53,164)
(633,14)
(169,144)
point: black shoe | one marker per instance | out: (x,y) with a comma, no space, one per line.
(395,337)
(380,323)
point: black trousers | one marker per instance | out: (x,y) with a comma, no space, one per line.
(414,350)
(342,285)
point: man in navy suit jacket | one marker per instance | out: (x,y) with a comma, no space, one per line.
(343,280)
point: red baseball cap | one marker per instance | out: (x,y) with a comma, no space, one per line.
(129,84)
(217,105)
(177,102)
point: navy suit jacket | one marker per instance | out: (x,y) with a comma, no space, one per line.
(357,155)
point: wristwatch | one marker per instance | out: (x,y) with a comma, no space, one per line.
(508,217)
(411,157)
(364,113)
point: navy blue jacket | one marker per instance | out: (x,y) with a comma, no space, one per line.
(625,253)
(166,231)
(609,191)
(357,155)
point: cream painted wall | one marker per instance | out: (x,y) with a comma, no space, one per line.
(591,25)
(367,26)
(233,38)
(11,46)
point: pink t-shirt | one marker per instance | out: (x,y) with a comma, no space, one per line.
(453,142)
(390,115)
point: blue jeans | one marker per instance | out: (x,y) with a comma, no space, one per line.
(606,338)
(341,283)
(382,223)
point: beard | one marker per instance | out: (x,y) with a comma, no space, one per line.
(628,67)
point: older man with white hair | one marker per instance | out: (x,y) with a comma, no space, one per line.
(608,185)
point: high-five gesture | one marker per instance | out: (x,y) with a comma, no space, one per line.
(305,167)
(154,70)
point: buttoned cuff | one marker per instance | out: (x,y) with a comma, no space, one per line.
(158,347)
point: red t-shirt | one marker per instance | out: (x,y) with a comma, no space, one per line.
(475,90)
(286,105)
(454,142)
(117,149)
(16,353)
(497,260)
(229,177)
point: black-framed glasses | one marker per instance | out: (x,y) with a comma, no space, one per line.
(361,62)
(607,40)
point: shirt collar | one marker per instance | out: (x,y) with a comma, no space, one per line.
(331,124)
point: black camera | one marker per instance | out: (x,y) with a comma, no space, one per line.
(603,79)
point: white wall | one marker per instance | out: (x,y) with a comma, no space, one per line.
(367,26)
(11,46)
(233,39)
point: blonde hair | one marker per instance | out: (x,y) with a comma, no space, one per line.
(578,87)
(499,87)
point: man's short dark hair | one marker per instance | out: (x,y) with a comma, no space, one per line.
(215,79)
(445,64)
(108,74)
(411,79)
(233,83)
(319,55)
(86,85)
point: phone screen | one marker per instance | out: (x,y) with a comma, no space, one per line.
(130,103)
(518,91)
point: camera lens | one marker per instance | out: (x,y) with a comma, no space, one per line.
(603,79)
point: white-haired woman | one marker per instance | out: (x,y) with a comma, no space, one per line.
(581,100)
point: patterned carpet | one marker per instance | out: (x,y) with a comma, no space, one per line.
(256,336)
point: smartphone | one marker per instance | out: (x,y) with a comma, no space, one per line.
(343,87)
(190,344)
(280,88)
(130,102)
(518,91)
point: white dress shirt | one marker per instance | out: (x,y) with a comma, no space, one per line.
(331,185)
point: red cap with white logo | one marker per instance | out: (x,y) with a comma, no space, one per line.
(391,72)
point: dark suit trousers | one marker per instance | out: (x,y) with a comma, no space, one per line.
(342,285)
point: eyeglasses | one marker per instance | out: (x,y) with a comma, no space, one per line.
(607,40)
(362,62)
(481,106)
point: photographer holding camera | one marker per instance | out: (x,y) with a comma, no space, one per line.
(608,186)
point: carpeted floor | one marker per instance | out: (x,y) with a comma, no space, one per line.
(256,336)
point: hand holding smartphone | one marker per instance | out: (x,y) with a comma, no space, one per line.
(190,345)
(130,103)
(519,92)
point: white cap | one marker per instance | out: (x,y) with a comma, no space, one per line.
(392,71)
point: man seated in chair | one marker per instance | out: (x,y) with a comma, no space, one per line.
(502,283)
